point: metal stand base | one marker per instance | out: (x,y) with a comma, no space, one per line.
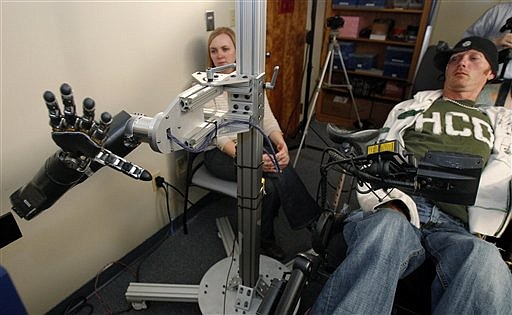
(220,291)
(219,295)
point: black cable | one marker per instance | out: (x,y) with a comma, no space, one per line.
(235,240)
(179,192)
(212,134)
(167,203)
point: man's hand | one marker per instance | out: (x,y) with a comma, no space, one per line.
(505,41)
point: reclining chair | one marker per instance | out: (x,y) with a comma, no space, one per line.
(410,297)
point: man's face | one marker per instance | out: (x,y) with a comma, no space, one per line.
(222,51)
(467,71)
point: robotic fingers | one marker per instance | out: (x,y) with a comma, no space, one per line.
(85,145)
(82,139)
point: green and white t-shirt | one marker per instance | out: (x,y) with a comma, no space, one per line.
(451,126)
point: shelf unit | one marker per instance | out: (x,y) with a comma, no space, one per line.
(375,94)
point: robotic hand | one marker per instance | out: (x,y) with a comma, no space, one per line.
(82,139)
(85,146)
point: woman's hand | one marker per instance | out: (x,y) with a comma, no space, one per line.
(230,148)
(282,156)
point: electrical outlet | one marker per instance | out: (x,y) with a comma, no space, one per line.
(155,174)
(210,21)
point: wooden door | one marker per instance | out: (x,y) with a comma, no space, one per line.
(286,38)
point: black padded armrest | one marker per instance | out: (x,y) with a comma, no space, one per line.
(339,135)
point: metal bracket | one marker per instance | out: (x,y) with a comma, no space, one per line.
(244,297)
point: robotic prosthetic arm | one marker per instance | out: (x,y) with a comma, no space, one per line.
(87,145)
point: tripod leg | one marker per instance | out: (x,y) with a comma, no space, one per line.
(313,105)
(349,87)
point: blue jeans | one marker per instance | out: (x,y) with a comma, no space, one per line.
(383,247)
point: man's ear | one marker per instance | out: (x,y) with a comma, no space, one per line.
(490,76)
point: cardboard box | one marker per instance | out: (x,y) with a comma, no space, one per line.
(393,89)
(379,31)
(340,105)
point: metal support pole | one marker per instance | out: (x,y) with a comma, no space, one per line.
(251,35)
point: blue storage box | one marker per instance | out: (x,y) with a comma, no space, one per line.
(344,3)
(371,3)
(401,55)
(337,63)
(361,61)
(346,49)
(396,70)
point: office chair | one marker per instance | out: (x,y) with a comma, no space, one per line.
(197,175)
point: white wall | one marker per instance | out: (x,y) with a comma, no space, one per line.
(454,16)
(133,56)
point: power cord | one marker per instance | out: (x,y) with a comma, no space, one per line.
(160,182)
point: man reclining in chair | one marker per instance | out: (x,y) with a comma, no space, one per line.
(383,245)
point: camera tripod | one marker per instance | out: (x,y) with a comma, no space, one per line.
(334,47)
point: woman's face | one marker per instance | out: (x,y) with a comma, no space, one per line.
(222,51)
